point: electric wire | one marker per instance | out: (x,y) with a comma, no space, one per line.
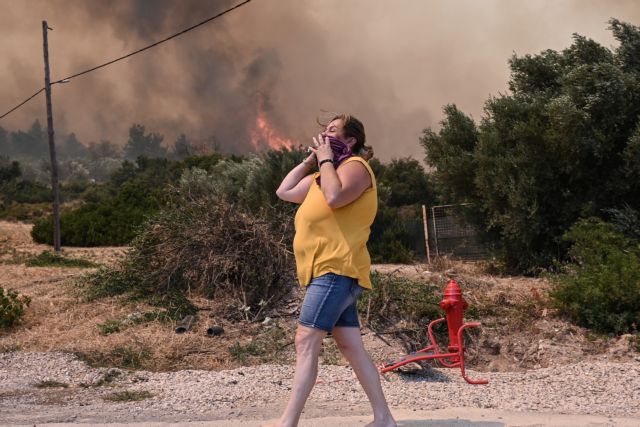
(66,79)
(154,44)
(21,104)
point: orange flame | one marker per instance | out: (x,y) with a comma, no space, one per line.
(264,133)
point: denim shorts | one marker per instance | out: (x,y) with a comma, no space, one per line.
(331,301)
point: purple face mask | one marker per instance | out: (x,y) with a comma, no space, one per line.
(341,150)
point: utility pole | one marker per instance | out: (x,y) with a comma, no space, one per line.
(52,145)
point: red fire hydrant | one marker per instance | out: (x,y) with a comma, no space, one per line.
(454,305)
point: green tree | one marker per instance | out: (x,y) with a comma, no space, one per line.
(30,144)
(71,147)
(182,148)
(451,152)
(4,142)
(407,182)
(14,188)
(9,170)
(562,145)
(141,144)
(103,149)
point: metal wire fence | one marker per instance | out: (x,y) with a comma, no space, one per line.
(449,235)
(452,236)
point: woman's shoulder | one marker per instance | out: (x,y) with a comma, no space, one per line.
(357,159)
(364,163)
(361,161)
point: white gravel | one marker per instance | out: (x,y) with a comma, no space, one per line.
(602,388)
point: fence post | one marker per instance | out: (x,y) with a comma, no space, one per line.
(426,232)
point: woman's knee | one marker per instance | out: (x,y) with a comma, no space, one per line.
(308,340)
(349,346)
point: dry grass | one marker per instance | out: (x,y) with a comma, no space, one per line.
(59,320)
(59,323)
(128,396)
(519,328)
(15,241)
(525,332)
(50,384)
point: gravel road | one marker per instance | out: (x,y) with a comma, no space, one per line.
(603,388)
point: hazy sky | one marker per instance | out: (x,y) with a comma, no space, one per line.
(394,64)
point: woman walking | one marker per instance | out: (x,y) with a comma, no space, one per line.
(338,205)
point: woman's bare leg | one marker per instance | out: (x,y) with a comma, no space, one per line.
(349,342)
(308,343)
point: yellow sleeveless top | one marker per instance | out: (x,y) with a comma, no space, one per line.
(335,240)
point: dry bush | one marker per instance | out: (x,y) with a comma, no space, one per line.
(401,307)
(206,246)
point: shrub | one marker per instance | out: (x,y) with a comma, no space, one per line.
(241,352)
(113,216)
(128,396)
(134,355)
(390,240)
(600,288)
(113,212)
(51,259)
(25,192)
(50,384)
(9,170)
(112,222)
(204,244)
(395,297)
(12,307)
(253,181)
(396,300)
(110,326)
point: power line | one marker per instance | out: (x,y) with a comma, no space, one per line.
(156,43)
(22,103)
(64,80)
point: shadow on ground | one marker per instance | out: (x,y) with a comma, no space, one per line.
(447,423)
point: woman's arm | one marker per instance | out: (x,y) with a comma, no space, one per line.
(343,186)
(295,186)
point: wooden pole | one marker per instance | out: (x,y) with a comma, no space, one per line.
(426,232)
(52,147)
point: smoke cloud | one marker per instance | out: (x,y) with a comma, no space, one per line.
(393,64)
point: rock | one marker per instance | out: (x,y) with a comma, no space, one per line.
(410,368)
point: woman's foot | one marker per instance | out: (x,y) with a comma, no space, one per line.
(383,422)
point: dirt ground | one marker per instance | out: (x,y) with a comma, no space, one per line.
(520,333)
(530,336)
